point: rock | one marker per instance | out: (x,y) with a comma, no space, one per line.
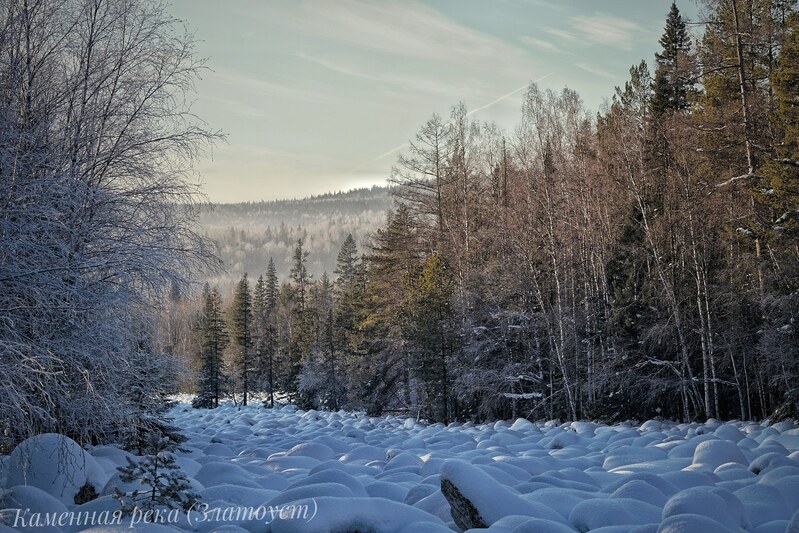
(463,512)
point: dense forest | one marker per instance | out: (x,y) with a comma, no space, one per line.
(639,262)
(248,234)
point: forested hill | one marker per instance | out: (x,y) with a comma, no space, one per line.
(249,233)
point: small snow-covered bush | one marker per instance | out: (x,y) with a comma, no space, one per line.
(164,483)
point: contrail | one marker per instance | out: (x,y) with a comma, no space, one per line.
(506,96)
(473,111)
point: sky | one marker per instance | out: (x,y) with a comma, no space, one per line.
(319,96)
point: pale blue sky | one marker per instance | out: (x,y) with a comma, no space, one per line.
(311,93)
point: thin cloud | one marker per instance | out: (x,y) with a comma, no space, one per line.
(540,44)
(420,84)
(562,34)
(262,87)
(595,71)
(237,107)
(608,30)
(404,29)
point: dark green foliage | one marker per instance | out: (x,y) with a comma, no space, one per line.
(214,340)
(778,191)
(347,263)
(241,329)
(85,494)
(164,483)
(430,330)
(674,74)
(267,341)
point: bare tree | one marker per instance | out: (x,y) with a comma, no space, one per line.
(97,202)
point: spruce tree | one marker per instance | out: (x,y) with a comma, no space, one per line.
(780,190)
(270,338)
(430,330)
(347,262)
(349,297)
(165,484)
(272,289)
(673,75)
(259,325)
(299,273)
(214,340)
(241,318)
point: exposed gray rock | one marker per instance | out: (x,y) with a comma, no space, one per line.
(464,513)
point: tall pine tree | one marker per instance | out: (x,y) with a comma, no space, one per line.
(270,337)
(674,72)
(430,330)
(214,340)
(241,318)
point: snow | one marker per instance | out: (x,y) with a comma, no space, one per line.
(384,475)
(55,464)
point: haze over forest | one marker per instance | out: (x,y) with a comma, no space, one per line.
(248,234)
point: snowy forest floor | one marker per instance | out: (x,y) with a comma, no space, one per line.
(284,469)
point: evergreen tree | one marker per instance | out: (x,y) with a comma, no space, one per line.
(674,72)
(777,196)
(349,298)
(430,330)
(259,326)
(321,378)
(299,273)
(780,190)
(214,340)
(347,263)
(287,358)
(270,337)
(166,484)
(302,330)
(241,325)
(272,289)
(380,367)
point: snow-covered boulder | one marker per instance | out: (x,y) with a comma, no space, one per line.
(692,523)
(375,515)
(595,513)
(711,454)
(713,503)
(25,502)
(55,464)
(478,500)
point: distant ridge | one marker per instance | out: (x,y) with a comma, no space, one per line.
(333,195)
(249,233)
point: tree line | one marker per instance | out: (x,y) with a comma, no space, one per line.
(643,261)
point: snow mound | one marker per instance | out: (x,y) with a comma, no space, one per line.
(692,523)
(630,456)
(223,473)
(55,464)
(375,515)
(592,514)
(637,489)
(315,450)
(764,503)
(704,501)
(711,454)
(29,500)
